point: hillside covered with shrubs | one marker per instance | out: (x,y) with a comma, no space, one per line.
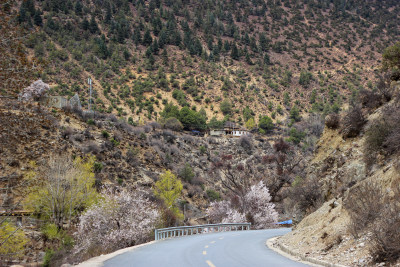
(234,60)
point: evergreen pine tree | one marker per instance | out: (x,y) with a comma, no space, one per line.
(147,39)
(93,28)
(22,16)
(78,8)
(108,14)
(235,52)
(85,24)
(266,59)
(155,47)
(37,19)
(137,36)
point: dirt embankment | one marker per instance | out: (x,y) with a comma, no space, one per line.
(326,234)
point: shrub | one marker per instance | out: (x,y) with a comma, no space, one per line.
(386,233)
(114,142)
(332,121)
(363,204)
(372,211)
(306,195)
(48,257)
(369,99)
(186,173)
(105,134)
(296,136)
(202,149)
(169,136)
(295,113)
(213,195)
(226,107)
(173,124)
(383,135)
(245,141)
(67,132)
(92,148)
(97,167)
(352,123)
(154,125)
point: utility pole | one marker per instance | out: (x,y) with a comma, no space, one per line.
(90,93)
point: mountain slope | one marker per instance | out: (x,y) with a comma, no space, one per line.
(267,55)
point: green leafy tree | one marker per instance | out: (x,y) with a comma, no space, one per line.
(214,123)
(248,113)
(266,123)
(169,189)
(250,124)
(191,119)
(170,111)
(12,239)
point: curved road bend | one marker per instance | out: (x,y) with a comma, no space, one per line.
(226,249)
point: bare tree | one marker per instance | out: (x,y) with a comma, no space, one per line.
(235,175)
(62,189)
(283,164)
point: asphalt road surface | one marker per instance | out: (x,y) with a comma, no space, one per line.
(226,249)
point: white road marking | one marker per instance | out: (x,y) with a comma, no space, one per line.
(221,238)
(204,252)
(210,264)
(206,246)
(212,242)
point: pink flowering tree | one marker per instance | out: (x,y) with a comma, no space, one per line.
(259,206)
(35,91)
(218,210)
(119,220)
(234,216)
(257,209)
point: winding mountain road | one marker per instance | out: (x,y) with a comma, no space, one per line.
(226,249)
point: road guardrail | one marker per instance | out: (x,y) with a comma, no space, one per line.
(170,232)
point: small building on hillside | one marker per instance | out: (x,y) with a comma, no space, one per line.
(230,129)
(217,132)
